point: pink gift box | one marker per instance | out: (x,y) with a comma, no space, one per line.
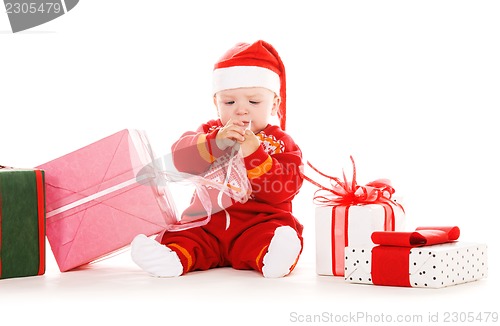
(96,205)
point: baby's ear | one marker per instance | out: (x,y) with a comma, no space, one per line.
(276,105)
(216,107)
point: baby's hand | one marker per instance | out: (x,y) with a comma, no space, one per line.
(250,144)
(232,132)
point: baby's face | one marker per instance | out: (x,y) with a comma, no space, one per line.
(248,104)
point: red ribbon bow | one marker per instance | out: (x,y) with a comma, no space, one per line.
(422,236)
(350,193)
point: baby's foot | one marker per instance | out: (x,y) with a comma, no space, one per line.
(282,254)
(155,258)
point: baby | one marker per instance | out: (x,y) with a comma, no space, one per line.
(261,233)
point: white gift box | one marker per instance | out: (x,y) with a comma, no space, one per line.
(433,266)
(332,233)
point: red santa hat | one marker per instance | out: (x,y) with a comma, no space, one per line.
(252,65)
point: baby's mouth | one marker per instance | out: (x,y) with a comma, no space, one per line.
(247,124)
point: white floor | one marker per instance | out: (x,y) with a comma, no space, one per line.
(116,290)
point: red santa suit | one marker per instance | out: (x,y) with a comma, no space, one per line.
(274,174)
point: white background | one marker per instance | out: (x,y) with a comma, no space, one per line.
(409,88)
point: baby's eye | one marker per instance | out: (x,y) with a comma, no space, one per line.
(254,102)
(229,102)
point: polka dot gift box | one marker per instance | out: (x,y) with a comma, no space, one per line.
(428,258)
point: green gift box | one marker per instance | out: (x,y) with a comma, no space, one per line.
(22,222)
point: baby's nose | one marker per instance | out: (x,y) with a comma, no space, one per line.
(241,109)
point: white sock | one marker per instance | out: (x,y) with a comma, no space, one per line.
(155,258)
(282,252)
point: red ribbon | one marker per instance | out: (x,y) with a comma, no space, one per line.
(391,258)
(344,194)
(350,193)
(40,193)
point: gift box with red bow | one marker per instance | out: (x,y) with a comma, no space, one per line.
(347,214)
(428,257)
